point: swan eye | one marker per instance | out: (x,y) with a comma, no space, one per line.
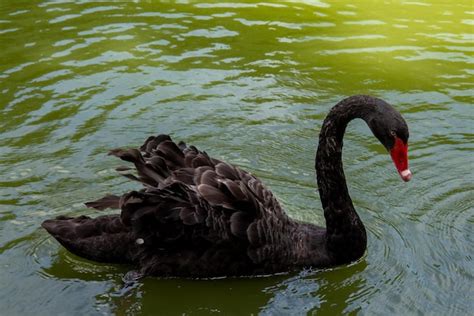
(393,133)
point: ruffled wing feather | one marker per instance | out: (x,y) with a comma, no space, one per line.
(190,197)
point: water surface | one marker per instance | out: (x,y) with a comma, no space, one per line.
(249,83)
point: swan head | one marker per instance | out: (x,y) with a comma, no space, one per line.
(390,128)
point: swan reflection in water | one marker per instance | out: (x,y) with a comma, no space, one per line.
(327,290)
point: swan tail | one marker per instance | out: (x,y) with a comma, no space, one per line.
(102,239)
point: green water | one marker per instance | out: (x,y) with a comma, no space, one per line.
(249,83)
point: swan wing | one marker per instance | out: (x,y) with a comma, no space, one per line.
(189,199)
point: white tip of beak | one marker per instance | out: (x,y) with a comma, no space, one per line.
(406,175)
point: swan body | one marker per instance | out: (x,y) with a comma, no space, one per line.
(196,216)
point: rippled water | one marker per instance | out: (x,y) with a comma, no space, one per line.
(249,83)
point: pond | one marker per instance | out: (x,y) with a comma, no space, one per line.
(249,83)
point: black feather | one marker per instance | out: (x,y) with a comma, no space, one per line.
(108,201)
(212,195)
(239,222)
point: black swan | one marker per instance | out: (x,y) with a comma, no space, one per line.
(197,216)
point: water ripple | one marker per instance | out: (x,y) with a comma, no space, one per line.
(249,83)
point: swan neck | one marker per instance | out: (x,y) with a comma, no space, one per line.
(329,168)
(343,226)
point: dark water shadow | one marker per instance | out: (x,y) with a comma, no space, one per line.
(318,292)
(322,292)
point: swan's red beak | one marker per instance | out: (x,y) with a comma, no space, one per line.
(399,154)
